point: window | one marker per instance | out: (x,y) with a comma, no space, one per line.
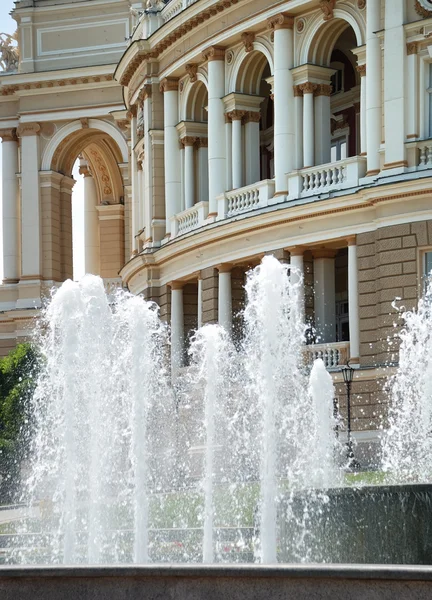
(337,81)
(339,149)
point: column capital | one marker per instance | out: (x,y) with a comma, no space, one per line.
(224,268)
(252,116)
(236,115)
(281,21)
(132,112)
(176,285)
(84,170)
(202,142)
(298,92)
(189,140)
(323,89)
(324,252)
(214,53)
(248,38)
(169,84)
(308,87)
(351,240)
(146,92)
(296,250)
(192,70)
(26,129)
(412,48)
(8,135)
(361,70)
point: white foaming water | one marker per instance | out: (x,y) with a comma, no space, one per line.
(407,443)
(131,469)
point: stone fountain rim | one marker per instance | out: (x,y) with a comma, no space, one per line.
(331,571)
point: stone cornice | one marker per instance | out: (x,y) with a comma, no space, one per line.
(8,135)
(281,21)
(8,90)
(214,53)
(27,129)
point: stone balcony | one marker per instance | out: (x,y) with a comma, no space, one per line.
(419,155)
(334,355)
(245,199)
(189,219)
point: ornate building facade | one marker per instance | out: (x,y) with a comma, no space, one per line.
(211,133)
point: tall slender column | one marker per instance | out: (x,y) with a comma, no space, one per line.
(252,147)
(30,201)
(91,223)
(147,164)
(189,171)
(284,143)
(171,151)
(394,84)
(297,276)
(10,197)
(216,125)
(298,111)
(363,132)
(203,187)
(373,86)
(325,295)
(200,302)
(308,90)
(177,326)
(236,117)
(228,152)
(134,181)
(353,301)
(322,124)
(225,297)
(412,130)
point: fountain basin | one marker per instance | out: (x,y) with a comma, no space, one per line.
(373,524)
(287,582)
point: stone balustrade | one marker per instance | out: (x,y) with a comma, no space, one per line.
(339,175)
(419,154)
(174,7)
(334,355)
(245,199)
(189,219)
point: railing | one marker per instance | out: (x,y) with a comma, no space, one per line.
(174,7)
(333,355)
(245,199)
(419,154)
(189,219)
(335,176)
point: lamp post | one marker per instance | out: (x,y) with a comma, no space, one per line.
(348,375)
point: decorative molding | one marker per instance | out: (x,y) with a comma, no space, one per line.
(169,84)
(26,129)
(327,7)
(300,25)
(188,140)
(361,4)
(8,90)
(411,48)
(202,142)
(84,170)
(423,8)
(248,38)
(214,53)
(229,57)
(236,115)
(298,92)
(192,70)
(323,89)
(308,87)
(361,70)
(84,123)
(8,135)
(132,112)
(281,21)
(252,117)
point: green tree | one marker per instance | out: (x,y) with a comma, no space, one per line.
(18,372)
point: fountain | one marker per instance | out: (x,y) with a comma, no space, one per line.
(237,462)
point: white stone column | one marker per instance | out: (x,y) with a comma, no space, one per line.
(373,86)
(236,117)
(147,165)
(325,295)
(412,129)
(252,148)
(322,124)
(298,112)
(225,297)
(216,125)
(297,276)
(30,202)
(353,301)
(228,153)
(10,195)
(203,187)
(91,222)
(189,171)
(171,151)
(308,90)
(363,131)
(177,326)
(284,139)
(134,181)
(200,302)
(394,84)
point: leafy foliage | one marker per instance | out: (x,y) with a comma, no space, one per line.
(18,373)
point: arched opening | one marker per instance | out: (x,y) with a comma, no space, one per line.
(250,109)
(83,224)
